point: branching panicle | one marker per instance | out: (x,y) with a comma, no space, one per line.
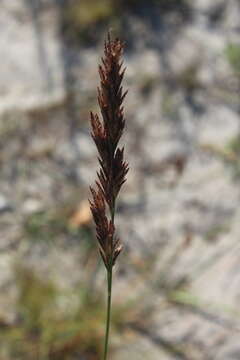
(106,135)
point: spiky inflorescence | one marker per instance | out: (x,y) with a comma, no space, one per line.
(106,135)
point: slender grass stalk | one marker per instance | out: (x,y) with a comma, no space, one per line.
(113,169)
(109,305)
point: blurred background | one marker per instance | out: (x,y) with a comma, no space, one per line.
(177,282)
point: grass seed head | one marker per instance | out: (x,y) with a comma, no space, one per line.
(106,135)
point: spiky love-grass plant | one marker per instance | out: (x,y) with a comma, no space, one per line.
(113,169)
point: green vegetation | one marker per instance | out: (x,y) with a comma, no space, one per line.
(188,299)
(230,154)
(232,53)
(169,106)
(87,13)
(48,226)
(213,233)
(54,324)
(234,145)
(83,17)
(188,79)
(43,331)
(44,226)
(233,148)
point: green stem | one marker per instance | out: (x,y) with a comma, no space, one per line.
(109,278)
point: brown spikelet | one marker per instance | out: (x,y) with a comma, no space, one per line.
(106,135)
